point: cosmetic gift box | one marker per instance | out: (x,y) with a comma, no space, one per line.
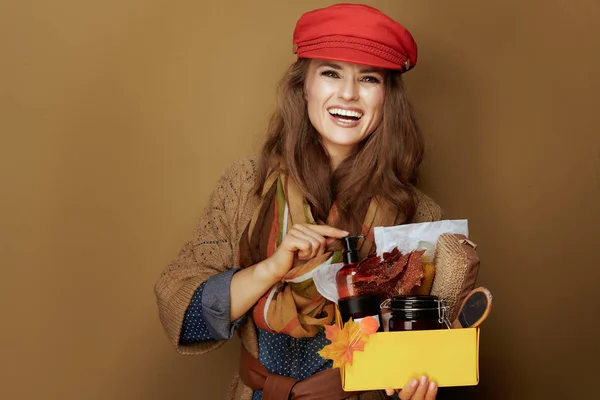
(450,357)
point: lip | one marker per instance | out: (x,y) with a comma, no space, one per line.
(344,124)
(356,109)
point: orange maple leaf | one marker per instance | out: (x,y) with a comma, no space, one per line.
(332,332)
(344,342)
(338,352)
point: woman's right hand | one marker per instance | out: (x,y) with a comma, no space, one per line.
(304,241)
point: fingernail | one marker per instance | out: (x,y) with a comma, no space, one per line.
(414,383)
(423,380)
(432,386)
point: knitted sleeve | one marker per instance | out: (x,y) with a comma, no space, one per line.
(211,250)
(427,209)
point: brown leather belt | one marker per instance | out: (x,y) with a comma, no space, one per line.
(325,385)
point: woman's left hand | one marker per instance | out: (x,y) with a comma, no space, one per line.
(416,390)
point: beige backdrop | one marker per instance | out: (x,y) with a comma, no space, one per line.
(117,117)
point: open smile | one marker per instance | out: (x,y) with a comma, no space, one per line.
(345,117)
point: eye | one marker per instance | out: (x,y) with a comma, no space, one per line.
(330,73)
(370,79)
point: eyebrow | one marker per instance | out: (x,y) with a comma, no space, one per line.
(367,70)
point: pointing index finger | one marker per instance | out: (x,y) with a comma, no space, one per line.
(329,231)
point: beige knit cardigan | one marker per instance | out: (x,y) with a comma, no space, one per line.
(213,248)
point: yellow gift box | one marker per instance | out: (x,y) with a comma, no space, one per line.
(449,357)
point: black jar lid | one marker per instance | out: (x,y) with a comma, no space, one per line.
(414,303)
(368,304)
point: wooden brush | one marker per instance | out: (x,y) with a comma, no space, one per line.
(474,309)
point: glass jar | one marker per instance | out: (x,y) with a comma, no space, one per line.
(416,313)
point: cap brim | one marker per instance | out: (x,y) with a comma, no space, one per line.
(350,55)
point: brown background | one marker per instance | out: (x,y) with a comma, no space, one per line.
(117,117)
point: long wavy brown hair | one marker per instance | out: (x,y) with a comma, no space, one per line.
(385,164)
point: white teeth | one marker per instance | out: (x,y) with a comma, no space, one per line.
(345,113)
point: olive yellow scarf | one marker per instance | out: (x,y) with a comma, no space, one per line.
(293,305)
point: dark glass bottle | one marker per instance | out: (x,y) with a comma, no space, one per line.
(415,313)
(351,304)
(346,276)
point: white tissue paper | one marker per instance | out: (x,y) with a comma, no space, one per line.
(324,278)
(411,237)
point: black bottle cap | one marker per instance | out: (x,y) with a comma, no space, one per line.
(350,254)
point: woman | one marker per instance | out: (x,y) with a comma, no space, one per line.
(341,157)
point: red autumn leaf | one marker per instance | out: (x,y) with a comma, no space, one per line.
(386,279)
(388,289)
(392,256)
(398,266)
(364,288)
(391,275)
(379,276)
(413,274)
(371,262)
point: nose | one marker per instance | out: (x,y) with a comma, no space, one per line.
(349,89)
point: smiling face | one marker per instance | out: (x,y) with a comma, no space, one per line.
(345,103)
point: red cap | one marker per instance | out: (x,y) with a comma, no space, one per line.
(355,33)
